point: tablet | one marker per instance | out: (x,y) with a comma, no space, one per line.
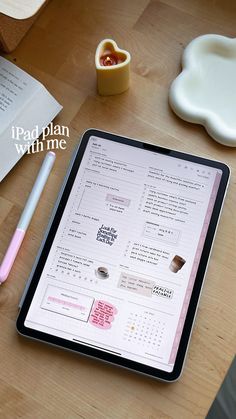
(121,268)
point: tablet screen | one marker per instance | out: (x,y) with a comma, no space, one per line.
(122,266)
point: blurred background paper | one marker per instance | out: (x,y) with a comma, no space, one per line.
(20,9)
(25,103)
(16,18)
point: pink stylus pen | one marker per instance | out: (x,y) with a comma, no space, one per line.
(26,216)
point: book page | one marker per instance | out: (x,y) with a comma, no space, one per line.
(122,266)
(24,102)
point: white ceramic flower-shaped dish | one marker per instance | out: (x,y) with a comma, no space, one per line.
(205,91)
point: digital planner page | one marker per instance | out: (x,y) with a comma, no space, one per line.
(121,270)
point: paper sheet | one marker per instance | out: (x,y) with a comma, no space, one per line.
(25,103)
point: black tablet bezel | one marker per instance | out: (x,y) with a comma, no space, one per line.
(54,223)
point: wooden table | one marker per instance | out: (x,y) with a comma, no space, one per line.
(38,381)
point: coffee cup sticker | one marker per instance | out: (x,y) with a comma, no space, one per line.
(102,315)
(102,272)
(176,264)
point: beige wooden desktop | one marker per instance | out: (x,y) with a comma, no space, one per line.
(39,381)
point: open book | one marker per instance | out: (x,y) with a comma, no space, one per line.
(24,103)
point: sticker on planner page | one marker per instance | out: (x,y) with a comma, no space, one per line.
(102,272)
(102,315)
(177,263)
(161,291)
(107,235)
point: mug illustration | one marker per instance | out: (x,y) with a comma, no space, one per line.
(176,264)
(102,272)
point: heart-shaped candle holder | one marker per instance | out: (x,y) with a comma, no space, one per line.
(112,67)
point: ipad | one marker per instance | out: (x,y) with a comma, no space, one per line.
(119,274)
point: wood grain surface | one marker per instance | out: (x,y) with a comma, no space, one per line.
(38,381)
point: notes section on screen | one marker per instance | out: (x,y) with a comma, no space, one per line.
(122,266)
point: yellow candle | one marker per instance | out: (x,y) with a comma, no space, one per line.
(112,67)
